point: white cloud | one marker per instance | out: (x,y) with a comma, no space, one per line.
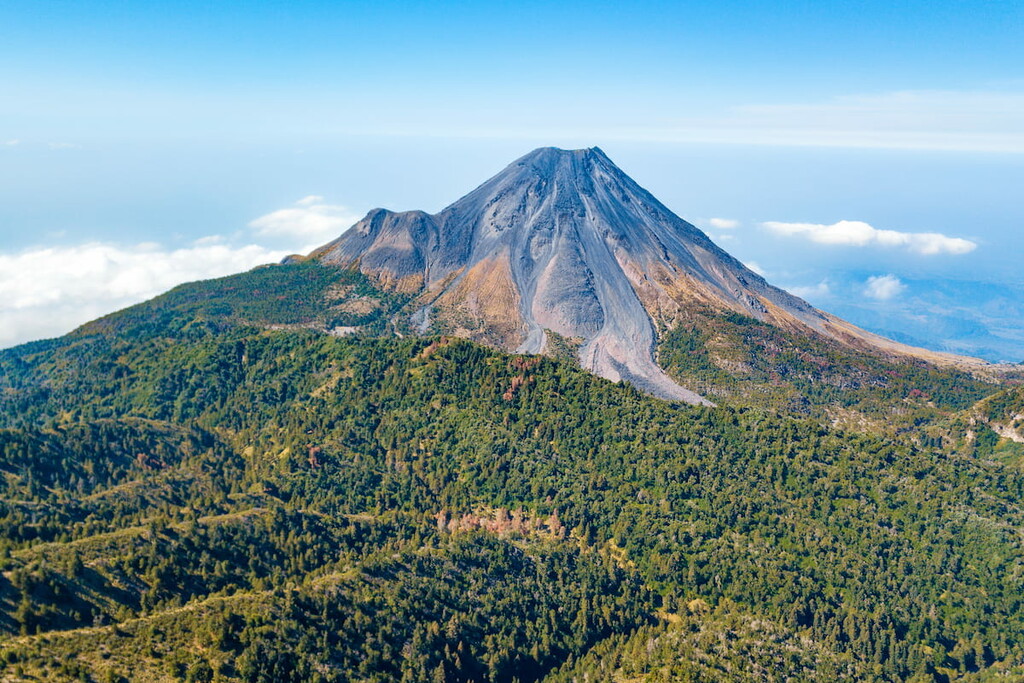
(311,219)
(756,267)
(48,291)
(724,223)
(861,234)
(819,290)
(883,287)
(12,143)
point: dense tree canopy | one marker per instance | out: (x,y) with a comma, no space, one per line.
(192,496)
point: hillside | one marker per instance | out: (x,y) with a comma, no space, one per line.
(190,497)
(333,469)
(1004,413)
(736,360)
(562,253)
(563,244)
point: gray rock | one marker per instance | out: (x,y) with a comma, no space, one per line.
(563,240)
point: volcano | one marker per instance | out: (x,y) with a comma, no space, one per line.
(562,245)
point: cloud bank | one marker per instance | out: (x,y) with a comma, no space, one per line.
(860,234)
(311,218)
(48,291)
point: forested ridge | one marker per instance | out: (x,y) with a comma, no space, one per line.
(204,489)
(740,361)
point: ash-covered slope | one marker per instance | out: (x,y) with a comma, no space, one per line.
(564,241)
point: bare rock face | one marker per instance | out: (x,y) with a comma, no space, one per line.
(564,241)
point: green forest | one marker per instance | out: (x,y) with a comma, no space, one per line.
(207,487)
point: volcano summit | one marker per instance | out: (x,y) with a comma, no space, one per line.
(563,242)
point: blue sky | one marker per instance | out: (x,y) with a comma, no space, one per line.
(143,143)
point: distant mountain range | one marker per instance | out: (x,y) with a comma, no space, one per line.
(979,319)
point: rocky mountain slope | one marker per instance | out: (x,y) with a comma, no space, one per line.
(562,242)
